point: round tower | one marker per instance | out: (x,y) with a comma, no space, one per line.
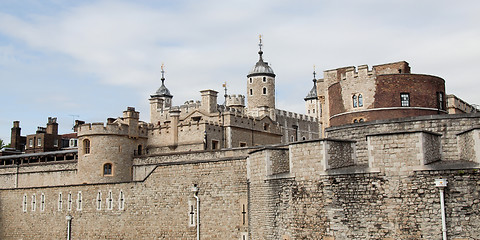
(261,86)
(106,152)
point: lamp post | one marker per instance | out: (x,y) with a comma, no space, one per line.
(442,184)
(195,194)
(69,226)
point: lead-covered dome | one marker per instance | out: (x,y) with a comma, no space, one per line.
(261,68)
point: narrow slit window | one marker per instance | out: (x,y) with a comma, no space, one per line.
(42,202)
(99,201)
(79,201)
(69,203)
(110,201)
(264,90)
(60,202)
(34,202)
(25,203)
(121,201)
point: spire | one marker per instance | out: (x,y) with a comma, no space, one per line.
(313,92)
(163,75)
(260,52)
(162,91)
(261,67)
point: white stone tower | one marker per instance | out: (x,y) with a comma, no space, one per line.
(312,104)
(261,88)
(161,101)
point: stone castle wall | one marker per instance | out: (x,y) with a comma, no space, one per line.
(446,125)
(38,174)
(157,208)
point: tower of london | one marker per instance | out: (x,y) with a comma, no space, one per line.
(381,153)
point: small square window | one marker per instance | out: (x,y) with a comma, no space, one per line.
(405,99)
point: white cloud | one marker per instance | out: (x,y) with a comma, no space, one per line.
(111,51)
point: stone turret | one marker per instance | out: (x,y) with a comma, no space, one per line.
(236,102)
(105,152)
(311,100)
(261,87)
(160,101)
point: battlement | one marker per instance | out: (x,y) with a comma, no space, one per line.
(294,115)
(109,129)
(235,100)
(352,72)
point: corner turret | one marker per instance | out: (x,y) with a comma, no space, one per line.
(261,87)
(161,100)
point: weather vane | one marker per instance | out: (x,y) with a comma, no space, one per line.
(314,73)
(260,44)
(163,72)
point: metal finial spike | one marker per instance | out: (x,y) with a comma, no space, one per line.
(314,73)
(260,43)
(163,73)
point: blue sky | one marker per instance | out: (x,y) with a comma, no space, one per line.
(95,58)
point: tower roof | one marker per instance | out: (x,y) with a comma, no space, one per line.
(313,92)
(261,67)
(162,90)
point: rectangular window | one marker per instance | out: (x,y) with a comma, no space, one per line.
(42,202)
(215,144)
(55,143)
(60,202)
(99,200)
(39,142)
(25,203)
(30,142)
(121,201)
(79,201)
(243,144)
(405,99)
(440,101)
(69,203)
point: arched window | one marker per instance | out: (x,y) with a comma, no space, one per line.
(354,99)
(355,121)
(264,90)
(107,169)
(86,146)
(264,79)
(360,100)
(250,80)
(361,120)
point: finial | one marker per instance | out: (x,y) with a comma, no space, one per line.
(314,73)
(163,74)
(260,52)
(260,44)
